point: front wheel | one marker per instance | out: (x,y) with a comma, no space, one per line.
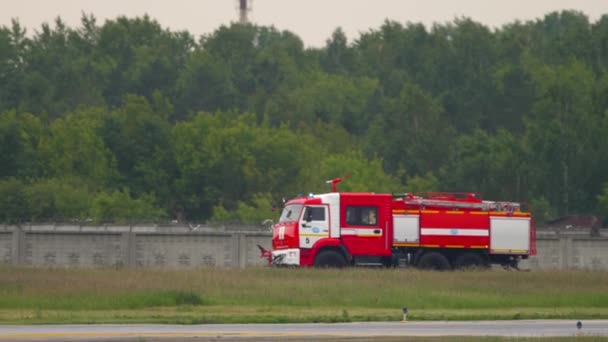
(330,258)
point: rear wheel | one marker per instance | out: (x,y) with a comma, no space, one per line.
(434,261)
(330,258)
(470,260)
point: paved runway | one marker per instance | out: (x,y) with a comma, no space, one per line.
(522,328)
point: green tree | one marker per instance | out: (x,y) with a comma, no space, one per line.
(563,36)
(140,57)
(563,135)
(75,147)
(489,164)
(337,57)
(542,210)
(515,97)
(20,137)
(426,183)
(391,49)
(58,200)
(13,42)
(336,99)
(469,63)
(226,158)
(205,84)
(603,199)
(280,57)
(13,202)
(138,135)
(409,133)
(60,70)
(236,45)
(358,173)
(261,208)
(599,38)
(119,207)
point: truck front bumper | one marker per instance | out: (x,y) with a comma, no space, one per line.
(286,257)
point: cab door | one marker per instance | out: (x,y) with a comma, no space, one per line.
(314,225)
(366,228)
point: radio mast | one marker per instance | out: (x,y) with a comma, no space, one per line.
(244,8)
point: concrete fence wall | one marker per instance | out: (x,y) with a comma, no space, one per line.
(133,246)
(184,247)
(564,250)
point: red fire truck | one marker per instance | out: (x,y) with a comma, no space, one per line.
(431,231)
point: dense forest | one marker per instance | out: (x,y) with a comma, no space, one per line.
(130,122)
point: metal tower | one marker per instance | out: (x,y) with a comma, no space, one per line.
(244,8)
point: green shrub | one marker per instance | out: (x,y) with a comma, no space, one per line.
(119,207)
(13,202)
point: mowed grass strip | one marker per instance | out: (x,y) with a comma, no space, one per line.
(294,295)
(233,314)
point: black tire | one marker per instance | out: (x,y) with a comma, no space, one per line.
(470,260)
(390,261)
(330,258)
(433,261)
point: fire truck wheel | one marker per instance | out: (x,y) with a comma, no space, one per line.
(470,260)
(330,258)
(434,261)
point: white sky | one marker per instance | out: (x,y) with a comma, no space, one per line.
(312,20)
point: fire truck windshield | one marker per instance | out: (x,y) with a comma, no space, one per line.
(291,213)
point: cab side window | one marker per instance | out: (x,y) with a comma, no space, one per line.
(314,214)
(361,216)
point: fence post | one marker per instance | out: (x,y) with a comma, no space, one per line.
(243,250)
(128,248)
(568,253)
(236,249)
(18,245)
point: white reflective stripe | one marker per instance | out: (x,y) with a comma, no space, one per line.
(361,231)
(526,218)
(454,231)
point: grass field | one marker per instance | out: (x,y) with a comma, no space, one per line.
(40,295)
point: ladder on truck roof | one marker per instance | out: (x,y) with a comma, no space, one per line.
(455,200)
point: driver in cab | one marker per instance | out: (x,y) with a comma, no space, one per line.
(370,218)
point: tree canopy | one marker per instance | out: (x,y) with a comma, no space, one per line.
(128,121)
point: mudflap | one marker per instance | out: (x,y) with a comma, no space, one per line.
(513,265)
(266,254)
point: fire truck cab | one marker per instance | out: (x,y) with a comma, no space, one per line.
(333,229)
